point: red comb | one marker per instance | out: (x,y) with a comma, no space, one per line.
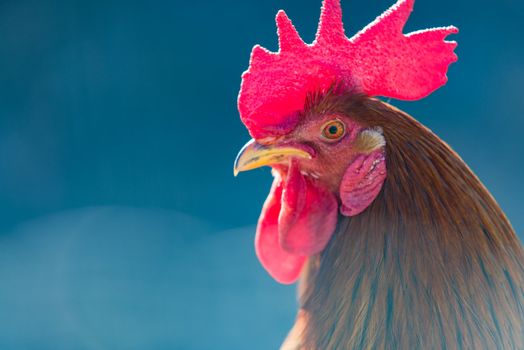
(379,61)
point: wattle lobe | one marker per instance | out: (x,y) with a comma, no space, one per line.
(297,221)
(283,266)
(308,214)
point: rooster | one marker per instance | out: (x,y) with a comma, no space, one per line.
(395,241)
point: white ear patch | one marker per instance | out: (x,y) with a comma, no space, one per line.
(369,140)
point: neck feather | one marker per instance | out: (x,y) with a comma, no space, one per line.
(432,263)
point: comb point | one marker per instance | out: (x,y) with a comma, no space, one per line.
(330,25)
(288,37)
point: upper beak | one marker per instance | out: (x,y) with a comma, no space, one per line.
(254,155)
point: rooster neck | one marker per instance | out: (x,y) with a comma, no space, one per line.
(432,263)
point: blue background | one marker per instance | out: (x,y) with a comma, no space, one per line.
(121,224)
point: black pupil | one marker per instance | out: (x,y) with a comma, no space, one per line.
(333,129)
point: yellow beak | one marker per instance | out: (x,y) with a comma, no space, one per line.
(254,155)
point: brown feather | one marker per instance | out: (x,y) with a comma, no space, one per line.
(433,263)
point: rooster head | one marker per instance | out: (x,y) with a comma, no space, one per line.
(327,162)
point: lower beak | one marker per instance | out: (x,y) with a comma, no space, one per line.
(254,155)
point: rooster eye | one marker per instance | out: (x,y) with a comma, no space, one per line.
(333,130)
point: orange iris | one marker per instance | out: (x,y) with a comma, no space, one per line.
(333,130)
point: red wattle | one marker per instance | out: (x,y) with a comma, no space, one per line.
(281,265)
(297,221)
(308,216)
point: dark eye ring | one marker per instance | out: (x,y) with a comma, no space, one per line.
(333,130)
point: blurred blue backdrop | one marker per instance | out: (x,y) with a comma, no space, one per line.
(121,224)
